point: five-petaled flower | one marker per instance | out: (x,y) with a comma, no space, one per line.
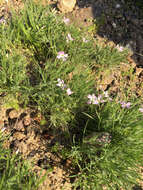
(69,92)
(61,84)
(62,55)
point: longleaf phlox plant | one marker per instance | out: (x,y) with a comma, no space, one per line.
(49,65)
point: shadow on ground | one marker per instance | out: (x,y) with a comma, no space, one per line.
(137,188)
(123,23)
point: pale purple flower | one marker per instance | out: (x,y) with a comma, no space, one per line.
(69,38)
(85,40)
(66,20)
(141,110)
(125,105)
(2,20)
(120,48)
(61,84)
(128,104)
(69,92)
(62,55)
(92,99)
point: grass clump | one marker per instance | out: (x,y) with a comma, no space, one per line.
(15,174)
(33,40)
(50,66)
(111,149)
(40,36)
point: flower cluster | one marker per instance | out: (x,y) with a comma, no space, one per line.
(104,138)
(125,105)
(61,55)
(92,99)
(104,97)
(63,86)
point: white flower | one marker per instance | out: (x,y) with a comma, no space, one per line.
(106,94)
(62,55)
(61,84)
(69,38)
(120,48)
(118,6)
(17,151)
(66,20)
(69,92)
(141,110)
(114,25)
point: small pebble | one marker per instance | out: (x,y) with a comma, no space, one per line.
(13,114)
(27,121)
